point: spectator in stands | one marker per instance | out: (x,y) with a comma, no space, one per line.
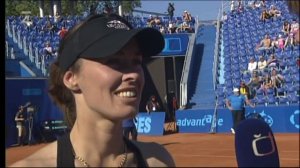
(254,83)
(272,62)
(171,10)
(98,85)
(265,44)
(48,51)
(258,4)
(232,7)
(280,42)
(294,8)
(264,16)
(294,26)
(277,80)
(235,103)
(286,28)
(267,83)
(297,38)
(289,41)
(274,13)
(62,32)
(129,128)
(152,104)
(157,21)
(162,29)
(107,9)
(244,90)
(261,64)
(185,27)
(252,65)
(240,6)
(187,17)
(150,21)
(57,17)
(27,21)
(224,17)
(172,27)
(251,4)
(295,32)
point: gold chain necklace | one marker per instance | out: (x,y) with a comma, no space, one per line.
(85,163)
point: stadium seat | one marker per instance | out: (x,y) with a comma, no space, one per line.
(259,100)
(283,100)
(293,98)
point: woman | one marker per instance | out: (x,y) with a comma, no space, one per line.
(286,28)
(152,104)
(267,83)
(97,81)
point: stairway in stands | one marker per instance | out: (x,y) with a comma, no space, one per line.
(202,91)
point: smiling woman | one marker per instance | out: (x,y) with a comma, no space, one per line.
(97,81)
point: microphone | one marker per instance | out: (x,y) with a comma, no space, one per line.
(255,144)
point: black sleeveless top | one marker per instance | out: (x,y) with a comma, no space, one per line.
(65,157)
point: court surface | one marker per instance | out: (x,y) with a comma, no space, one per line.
(196,150)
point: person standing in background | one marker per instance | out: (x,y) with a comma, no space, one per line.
(235,103)
(20,124)
(171,10)
(152,104)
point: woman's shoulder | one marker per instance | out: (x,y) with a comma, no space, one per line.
(44,157)
(155,154)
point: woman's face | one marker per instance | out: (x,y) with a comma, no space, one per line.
(111,86)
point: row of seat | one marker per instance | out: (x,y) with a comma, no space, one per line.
(240,35)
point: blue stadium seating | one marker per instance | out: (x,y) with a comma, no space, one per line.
(240,34)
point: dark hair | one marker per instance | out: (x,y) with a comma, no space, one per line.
(58,92)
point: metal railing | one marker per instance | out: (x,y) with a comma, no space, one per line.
(186,68)
(6,50)
(216,52)
(30,52)
(213,127)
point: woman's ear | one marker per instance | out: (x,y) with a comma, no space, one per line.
(70,80)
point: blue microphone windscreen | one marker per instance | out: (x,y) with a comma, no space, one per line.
(255,144)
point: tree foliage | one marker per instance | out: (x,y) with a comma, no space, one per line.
(65,7)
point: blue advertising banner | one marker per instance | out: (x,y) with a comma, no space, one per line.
(152,124)
(193,121)
(281,119)
(175,44)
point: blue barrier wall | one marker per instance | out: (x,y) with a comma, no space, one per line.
(175,44)
(24,72)
(193,121)
(282,119)
(12,67)
(152,124)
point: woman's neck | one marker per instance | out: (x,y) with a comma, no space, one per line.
(99,142)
